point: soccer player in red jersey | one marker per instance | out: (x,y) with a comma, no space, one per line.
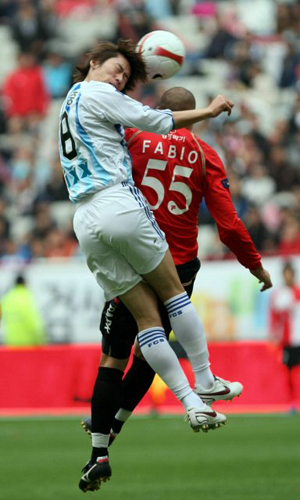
(174,172)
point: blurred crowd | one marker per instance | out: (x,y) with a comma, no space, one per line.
(261,154)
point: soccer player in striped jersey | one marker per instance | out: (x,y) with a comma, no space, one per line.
(124,247)
(174,171)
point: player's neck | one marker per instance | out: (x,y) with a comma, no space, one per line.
(190,128)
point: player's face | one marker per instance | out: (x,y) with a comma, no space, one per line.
(115,71)
(289,277)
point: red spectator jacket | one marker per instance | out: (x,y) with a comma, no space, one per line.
(25,92)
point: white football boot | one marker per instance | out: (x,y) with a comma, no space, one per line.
(222,390)
(204,419)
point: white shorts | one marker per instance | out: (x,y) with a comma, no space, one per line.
(120,237)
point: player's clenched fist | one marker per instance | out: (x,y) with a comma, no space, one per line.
(264,277)
(219,105)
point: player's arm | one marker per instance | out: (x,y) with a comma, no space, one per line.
(119,108)
(107,103)
(232,231)
(219,105)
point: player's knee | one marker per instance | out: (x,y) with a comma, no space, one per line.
(148,319)
(110,362)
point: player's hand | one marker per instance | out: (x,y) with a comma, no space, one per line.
(264,277)
(220,105)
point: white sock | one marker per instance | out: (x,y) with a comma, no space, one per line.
(162,359)
(123,415)
(193,400)
(189,331)
(100,440)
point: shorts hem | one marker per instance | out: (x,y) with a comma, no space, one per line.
(154,264)
(112,295)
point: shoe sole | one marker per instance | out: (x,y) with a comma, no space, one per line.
(86,429)
(93,485)
(208,427)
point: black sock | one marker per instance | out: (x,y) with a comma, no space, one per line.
(98,452)
(135,384)
(117,425)
(106,399)
(105,403)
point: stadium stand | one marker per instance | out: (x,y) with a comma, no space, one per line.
(254,59)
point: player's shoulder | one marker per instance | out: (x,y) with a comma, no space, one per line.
(94,88)
(210,153)
(132,133)
(204,145)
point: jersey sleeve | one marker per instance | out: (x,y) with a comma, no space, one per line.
(232,231)
(112,105)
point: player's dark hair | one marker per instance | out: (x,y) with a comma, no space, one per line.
(20,280)
(288,266)
(177,99)
(106,50)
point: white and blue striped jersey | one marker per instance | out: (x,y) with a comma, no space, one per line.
(93,150)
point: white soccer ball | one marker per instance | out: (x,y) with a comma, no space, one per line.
(163,53)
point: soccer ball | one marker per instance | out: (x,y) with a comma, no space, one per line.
(163,53)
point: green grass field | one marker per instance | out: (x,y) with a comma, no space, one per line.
(252,458)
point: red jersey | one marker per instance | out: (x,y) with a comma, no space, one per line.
(175,172)
(285,315)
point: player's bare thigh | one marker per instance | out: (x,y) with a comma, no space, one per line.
(164,280)
(141,299)
(142,303)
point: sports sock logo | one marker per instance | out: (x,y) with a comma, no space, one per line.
(151,337)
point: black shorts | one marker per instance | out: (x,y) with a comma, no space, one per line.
(291,356)
(118,326)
